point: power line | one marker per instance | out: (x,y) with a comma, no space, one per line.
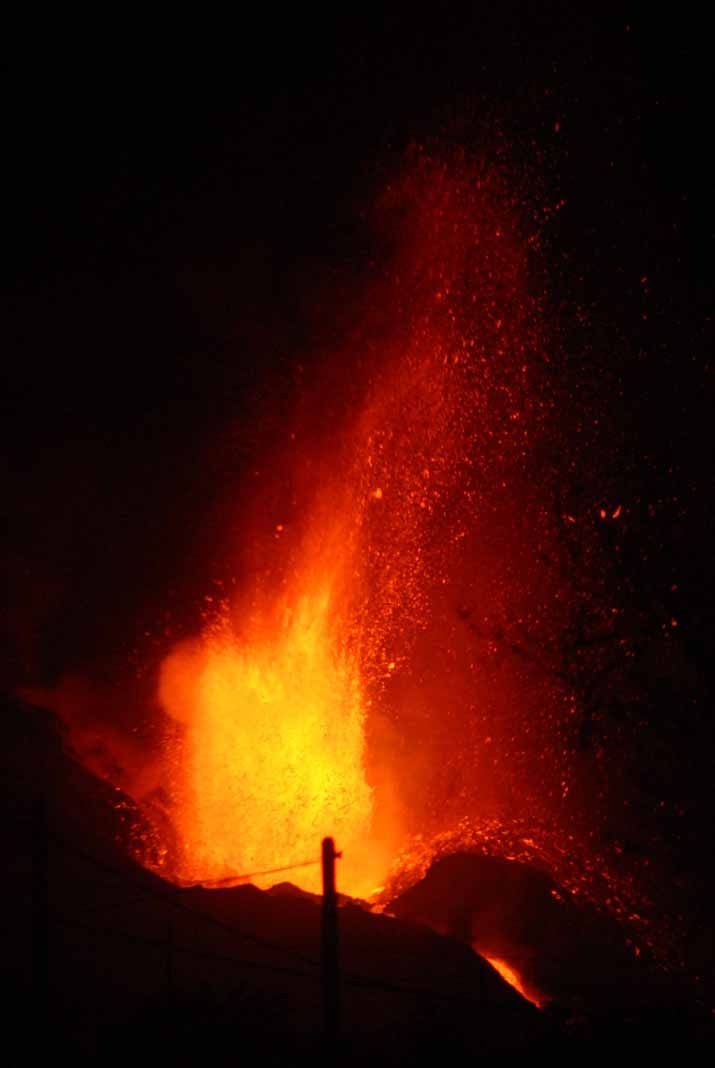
(218,884)
(228,880)
(159,943)
(170,898)
(351,979)
(215,884)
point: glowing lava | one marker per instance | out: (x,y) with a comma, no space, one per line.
(510,976)
(323,698)
(273,750)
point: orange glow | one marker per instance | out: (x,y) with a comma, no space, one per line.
(512,978)
(389,668)
(382,671)
(272,757)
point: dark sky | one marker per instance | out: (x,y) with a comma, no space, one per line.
(164,206)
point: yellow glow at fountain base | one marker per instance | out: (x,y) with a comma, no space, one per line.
(272,757)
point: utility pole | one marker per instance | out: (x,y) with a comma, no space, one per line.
(329,949)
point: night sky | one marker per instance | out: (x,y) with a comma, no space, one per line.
(170,213)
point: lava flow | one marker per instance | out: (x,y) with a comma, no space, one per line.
(512,977)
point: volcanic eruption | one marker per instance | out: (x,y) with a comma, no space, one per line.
(404,654)
(347,684)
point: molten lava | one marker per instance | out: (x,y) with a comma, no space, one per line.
(513,979)
(273,752)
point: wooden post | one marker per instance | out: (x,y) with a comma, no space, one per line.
(329,957)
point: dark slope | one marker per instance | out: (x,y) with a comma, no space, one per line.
(575,959)
(134,965)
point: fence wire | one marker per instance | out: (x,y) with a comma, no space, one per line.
(172,898)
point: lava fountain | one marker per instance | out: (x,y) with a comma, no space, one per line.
(273,749)
(302,709)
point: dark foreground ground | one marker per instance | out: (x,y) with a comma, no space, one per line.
(103,959)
